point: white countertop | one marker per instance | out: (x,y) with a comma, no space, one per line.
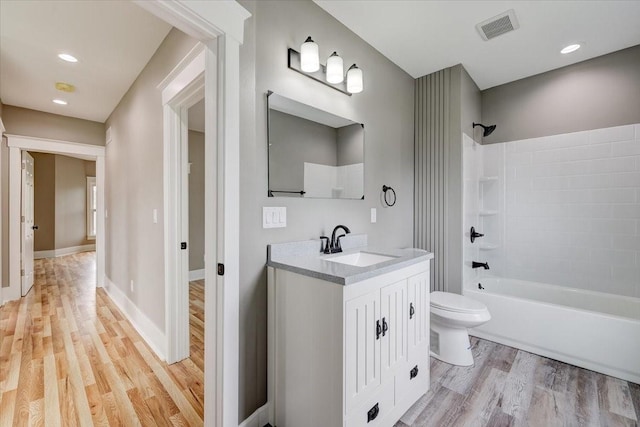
(305,258)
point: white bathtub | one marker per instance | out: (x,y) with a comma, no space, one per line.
(592,330)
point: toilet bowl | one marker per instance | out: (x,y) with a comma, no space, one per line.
(451,316)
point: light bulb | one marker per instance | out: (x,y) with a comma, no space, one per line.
(355,82)
(309,57)
(335,69)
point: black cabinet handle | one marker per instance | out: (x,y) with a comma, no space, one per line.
(412,310)
(413,373)
(373,413)
(385,326)
(378,329)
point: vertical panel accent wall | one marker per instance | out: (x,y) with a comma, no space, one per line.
(432,122)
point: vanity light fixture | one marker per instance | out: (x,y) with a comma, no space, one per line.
(355,82)
(570,48)
(309,57)
(307,62)
(335,69)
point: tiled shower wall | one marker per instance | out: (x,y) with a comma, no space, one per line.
(568,209)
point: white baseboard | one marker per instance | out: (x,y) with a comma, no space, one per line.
(259,418)
(196,275)
(145,327)
(63,251)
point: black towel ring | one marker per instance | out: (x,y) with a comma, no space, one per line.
(386,188)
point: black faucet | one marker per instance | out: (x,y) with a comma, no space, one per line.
(333,246)
(475,264)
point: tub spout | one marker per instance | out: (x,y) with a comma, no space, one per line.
(475,264)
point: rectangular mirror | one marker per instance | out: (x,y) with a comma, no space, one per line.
(313,153)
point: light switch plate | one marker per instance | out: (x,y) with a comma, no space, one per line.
(374,215)
(274,217)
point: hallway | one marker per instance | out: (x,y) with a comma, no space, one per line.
(68,357)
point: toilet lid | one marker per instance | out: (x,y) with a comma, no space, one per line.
(455,302)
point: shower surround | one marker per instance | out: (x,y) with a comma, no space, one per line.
(563,211)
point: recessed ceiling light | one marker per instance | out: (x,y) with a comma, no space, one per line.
(570,48)
(60,101)
(67,57)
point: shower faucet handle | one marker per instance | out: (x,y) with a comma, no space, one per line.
(474,234)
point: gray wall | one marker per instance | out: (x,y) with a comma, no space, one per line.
(597,93)
(71,203)
(293,141)
(134,244)
(386,109)
(350,145)
(44,201)
(196,200)
(23,121)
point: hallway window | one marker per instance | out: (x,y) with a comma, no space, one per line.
(91,208)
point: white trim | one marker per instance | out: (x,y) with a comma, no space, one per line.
(259,418)
(2,128)
(185,90)
(16,144)
(91,182)
(63,251)
(43,145)
(196,275)
(149,332)
(194,53)
(203,20)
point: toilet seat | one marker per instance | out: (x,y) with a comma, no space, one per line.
(447,301)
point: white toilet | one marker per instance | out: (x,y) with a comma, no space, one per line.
(451,316)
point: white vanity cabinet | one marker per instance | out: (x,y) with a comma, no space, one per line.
(347,355)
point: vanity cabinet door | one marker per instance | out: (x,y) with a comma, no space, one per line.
(394,312)
(362,348)
(419,316)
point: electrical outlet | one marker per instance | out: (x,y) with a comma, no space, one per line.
(131,285)
(374,215)
(155,216)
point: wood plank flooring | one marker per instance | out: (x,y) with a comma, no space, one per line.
(510,387)
(68,357)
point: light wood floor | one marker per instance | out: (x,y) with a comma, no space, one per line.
(68,357)
(510,387)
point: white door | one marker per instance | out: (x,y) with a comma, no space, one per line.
(419,316)
(28,226)
(363,334)
(394,312)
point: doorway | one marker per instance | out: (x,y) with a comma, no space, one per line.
(18,233)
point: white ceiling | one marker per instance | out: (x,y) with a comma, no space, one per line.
(426,36)
(113,41)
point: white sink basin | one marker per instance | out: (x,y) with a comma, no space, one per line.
(361,259)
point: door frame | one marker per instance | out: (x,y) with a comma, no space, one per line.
(181,89)
(219,25)
(23,223)
(17,144)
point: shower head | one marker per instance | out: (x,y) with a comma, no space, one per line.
(487,129)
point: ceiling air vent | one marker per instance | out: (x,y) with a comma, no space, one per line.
(498,25)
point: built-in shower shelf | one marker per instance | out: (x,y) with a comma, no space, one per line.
(488,212)
(488,246)
(488,179)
